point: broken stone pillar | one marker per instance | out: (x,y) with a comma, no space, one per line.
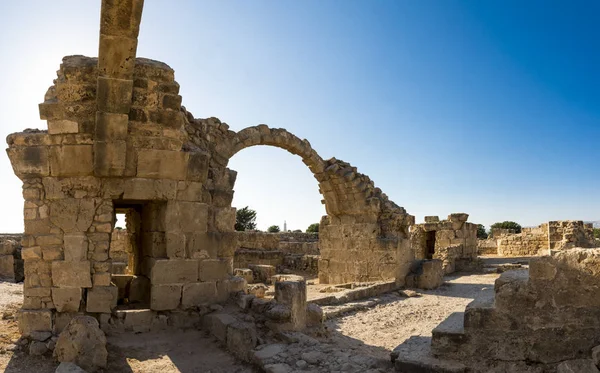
(291,292)
(119,29)
(83,343)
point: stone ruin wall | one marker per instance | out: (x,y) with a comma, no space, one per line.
(554,235)
(534,319)
(455,240)
(119,139)
(284,251)
(363,237)
(11,263)
(530,242)
(568,234)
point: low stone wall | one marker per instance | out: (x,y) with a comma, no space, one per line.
(488,246)
(531,241)
(295,251)
(11,263)
(293,243)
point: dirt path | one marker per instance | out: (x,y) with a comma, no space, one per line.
(379,330)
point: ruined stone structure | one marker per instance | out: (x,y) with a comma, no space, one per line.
(568,234)
(532,321)
(554,235)
(453,241)
(119,141)
(294,251)
(11,263)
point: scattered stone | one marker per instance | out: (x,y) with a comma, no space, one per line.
(408,293)
(66,367)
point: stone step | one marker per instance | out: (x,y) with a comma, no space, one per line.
(449,337)
(480,310)
(415,356)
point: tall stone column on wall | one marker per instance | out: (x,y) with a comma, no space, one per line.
(119,29)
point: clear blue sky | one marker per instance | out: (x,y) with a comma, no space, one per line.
(485,107)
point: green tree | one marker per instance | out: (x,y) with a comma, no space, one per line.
(597,233)
(481,233)
(507,225)
(245,219)
(313,228)
(273,229)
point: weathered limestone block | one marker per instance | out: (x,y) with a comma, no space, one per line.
(137,320)
(162,164)
(241,339)
(35,321)
(102,299)
(66,299)
(292,293)
(71,160)
(213,269)
(56,127)
(73,215)
(111,126)
(199,293)
(83,343)
(75,247)
(29,161)
(225,219)
(163,271)
(71,274)
(186,216)
(262,273)
(217,324)
(432,276)
(165,297)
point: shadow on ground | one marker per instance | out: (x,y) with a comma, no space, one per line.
(190,351)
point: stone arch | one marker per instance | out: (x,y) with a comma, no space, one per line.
(281,138)
(364,235)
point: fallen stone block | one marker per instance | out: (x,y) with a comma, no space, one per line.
(83,343)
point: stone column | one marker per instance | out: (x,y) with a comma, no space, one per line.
(119,29)
(292,293)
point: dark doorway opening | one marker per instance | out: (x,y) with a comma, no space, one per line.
(430,244)
(135,241)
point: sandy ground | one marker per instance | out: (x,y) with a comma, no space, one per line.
(379,330)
